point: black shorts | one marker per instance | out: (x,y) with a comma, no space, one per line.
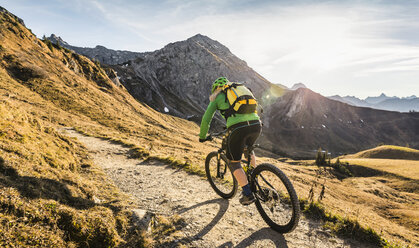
(239,136)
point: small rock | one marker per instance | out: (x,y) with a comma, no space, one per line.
(96,200)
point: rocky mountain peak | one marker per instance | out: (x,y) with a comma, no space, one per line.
(378,99)
(201,37)
(410,97)
(178,77)
(298,85)
(101,47)
(57,40)
(198,42)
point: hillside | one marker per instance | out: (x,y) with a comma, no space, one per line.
(302,120)
(50,188)
(388,152)
(54,192)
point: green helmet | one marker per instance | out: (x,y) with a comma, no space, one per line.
(221,81)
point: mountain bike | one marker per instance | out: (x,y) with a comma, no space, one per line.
(276,199)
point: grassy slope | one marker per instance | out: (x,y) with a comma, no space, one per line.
(60,88)
(408,169)
(391,188)
(388,152)
(385,203)
(48,184)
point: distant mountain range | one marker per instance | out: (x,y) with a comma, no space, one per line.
(99,53)
(384,102)
(177,80)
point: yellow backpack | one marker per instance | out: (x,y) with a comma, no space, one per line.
(240,98)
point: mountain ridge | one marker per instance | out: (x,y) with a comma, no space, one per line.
(177,80)
(400,104)
(99,53)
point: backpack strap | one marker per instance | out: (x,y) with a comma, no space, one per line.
(230,111)
(233,85)
(229,86)
(227,112)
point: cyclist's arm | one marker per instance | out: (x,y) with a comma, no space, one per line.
(206,119)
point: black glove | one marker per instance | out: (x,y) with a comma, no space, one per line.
(208,138)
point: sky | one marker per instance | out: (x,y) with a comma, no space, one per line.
(357,48)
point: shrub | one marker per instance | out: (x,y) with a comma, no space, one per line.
(322,158)
(341,167)
(49,44)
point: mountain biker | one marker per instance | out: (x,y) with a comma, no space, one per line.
(242,131)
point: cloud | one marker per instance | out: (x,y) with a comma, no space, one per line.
(324,36)
(292,41)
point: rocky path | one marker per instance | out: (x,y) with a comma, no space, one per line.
(210,220)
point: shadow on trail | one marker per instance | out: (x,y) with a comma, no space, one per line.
(223,203)
(262,234)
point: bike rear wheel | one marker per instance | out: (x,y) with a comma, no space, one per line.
(220,176)
(276,199)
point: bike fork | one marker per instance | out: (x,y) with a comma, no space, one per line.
(220,173)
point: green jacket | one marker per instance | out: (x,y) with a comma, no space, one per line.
(220,103)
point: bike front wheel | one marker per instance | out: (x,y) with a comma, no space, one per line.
(276,199)
(220,176)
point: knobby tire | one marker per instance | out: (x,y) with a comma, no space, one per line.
(292,224)
(223,193)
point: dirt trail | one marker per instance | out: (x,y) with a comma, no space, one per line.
(211,220)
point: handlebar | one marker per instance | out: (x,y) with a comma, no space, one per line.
(217,134)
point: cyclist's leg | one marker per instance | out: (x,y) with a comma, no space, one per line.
(234,151)
(235,143)
(238,172)
(250,141)
(235,146)
(252,157)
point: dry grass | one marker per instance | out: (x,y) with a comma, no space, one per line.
(382,198)
(388,152)
(48,182)
(166,231)
(404,168)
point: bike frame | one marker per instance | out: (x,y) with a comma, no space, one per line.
(248,169)
(261,185)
